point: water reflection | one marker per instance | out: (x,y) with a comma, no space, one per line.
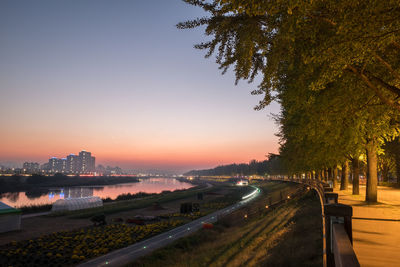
(12,197)
(48,196)
(71,192)
(33,194)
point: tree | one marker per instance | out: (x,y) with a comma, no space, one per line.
(355,163)
(333,66)
(385,164)
(360,38)
(393,149)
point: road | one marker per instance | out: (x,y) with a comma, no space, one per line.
(126,255)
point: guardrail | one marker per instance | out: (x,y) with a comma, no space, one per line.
(336,225)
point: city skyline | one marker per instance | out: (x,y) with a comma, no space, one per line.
(89,75)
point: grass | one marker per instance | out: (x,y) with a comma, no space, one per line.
(35,208)
(70,247)
(125,205)
(288,235)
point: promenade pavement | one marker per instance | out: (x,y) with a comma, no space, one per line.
(376,228)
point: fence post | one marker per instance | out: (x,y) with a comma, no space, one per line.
(331,198)
(336,213)
(328,189)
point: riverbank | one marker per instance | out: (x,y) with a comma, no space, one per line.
(108,193)
(288,235)
(41,225)
(65,241)
(37,184)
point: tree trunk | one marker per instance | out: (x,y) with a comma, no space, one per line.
(372,172)
(394,149)
(385,173)
(326,175)
(397,164)
(335,174)
(344,182)
(330,174)
(356,176)
(318,175)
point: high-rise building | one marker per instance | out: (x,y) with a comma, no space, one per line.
(63,165)
(57,165)
(74,164)
(87,162)
(31,167)
(53,164)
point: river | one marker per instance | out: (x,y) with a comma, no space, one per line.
(148,185)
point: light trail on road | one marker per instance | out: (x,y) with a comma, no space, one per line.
(123,256)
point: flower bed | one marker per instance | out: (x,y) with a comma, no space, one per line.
(191,216)
(66,248)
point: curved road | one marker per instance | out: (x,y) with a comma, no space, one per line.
(123,256)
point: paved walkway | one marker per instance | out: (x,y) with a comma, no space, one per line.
(376,228)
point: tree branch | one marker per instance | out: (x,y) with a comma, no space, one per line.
(396,44)
(384,84)
(387,65)
(329,21)
(386,100)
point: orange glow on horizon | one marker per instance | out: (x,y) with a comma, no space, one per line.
(196,155)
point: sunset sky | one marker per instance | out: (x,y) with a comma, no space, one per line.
(118,79)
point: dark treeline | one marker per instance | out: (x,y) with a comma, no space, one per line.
(22,183)
(271,166)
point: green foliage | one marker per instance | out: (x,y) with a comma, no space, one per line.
(332,65)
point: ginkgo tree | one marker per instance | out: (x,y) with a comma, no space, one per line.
(333,65)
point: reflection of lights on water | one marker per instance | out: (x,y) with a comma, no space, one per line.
(103,191)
